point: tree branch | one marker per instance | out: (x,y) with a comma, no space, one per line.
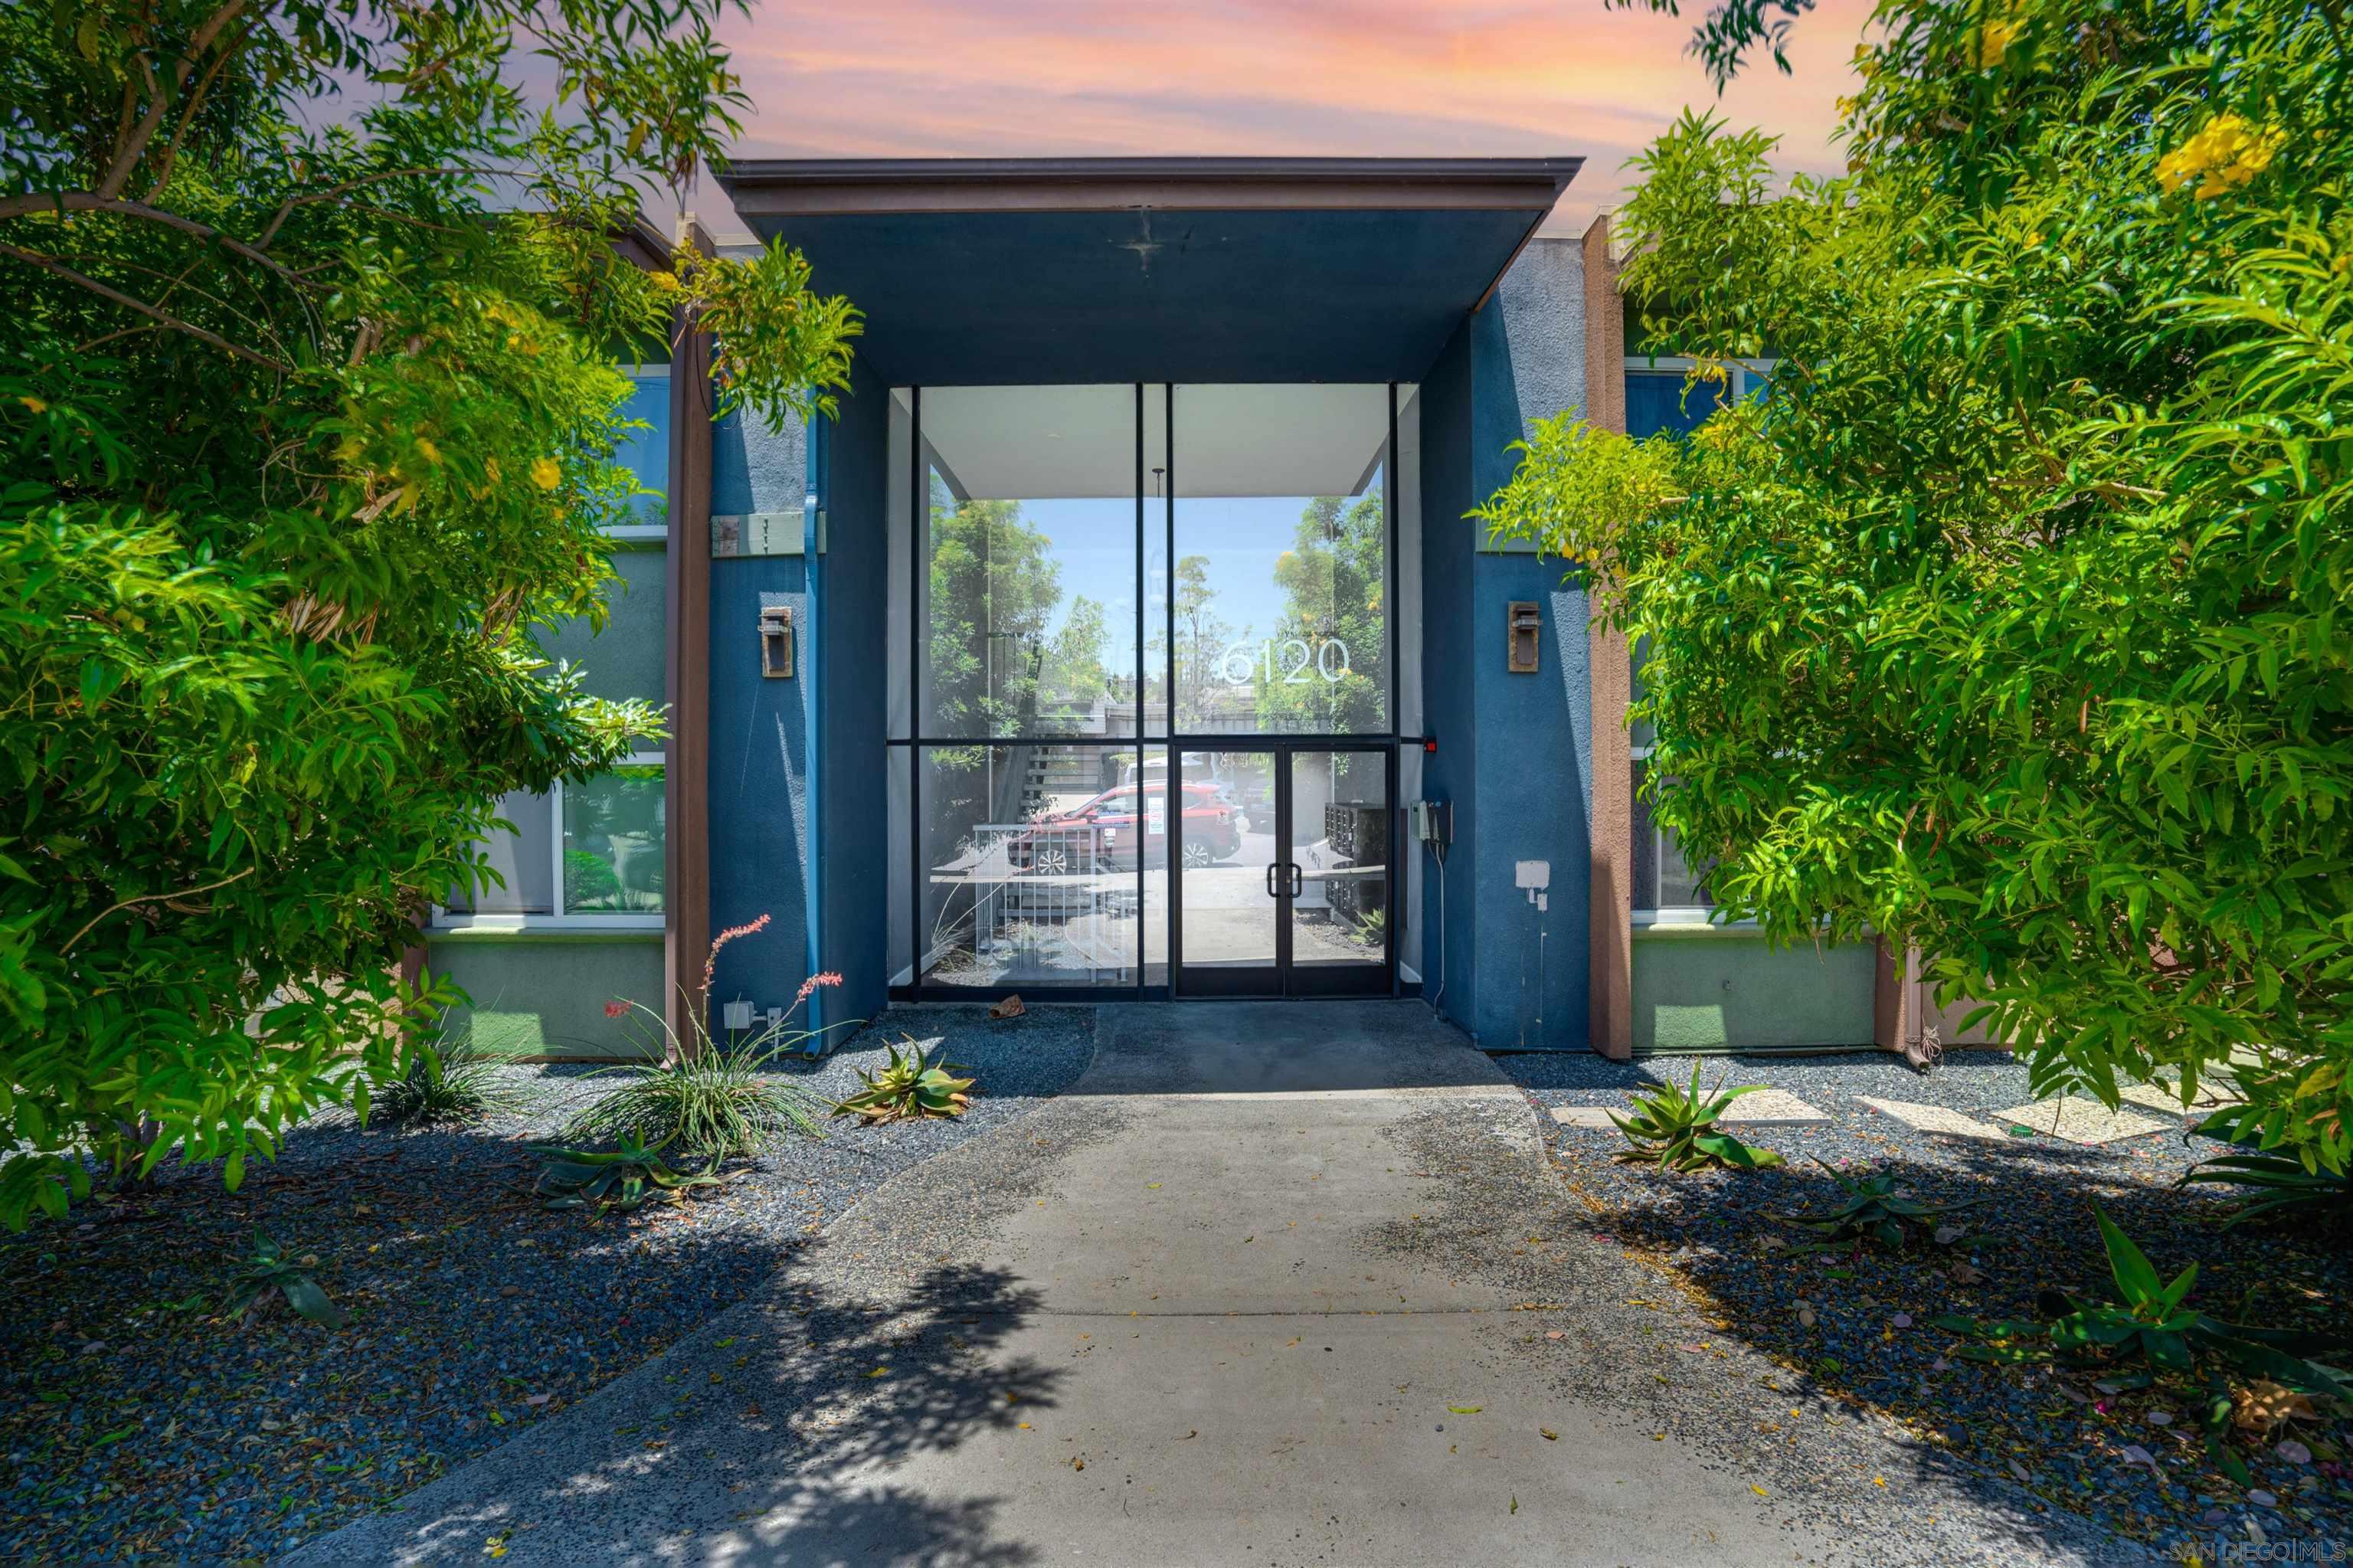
(85,201)
(126,157)
(50,263)
(148,898)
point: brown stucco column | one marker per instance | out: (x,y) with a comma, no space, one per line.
(1609,924)
(686,852)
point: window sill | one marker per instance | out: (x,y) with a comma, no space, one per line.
(1688,923)
(551,929)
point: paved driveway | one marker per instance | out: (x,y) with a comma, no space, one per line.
(1214,1305)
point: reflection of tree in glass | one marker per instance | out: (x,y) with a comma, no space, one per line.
(1332,580)
(993,588)
(1201,641)
(613,842)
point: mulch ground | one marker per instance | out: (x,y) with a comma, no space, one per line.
(137,1423)
(1857,1319)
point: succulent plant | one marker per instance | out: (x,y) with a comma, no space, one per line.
(910,1086)
(2285,1186)
(1874,1209)
(1675,1129)
(266,1271)
(623,1178)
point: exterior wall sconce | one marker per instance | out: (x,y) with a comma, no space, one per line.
(1522,622)
(777,642)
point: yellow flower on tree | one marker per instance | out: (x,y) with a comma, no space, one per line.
(34,404)
(546,474)
(2221,155)
(1994,41)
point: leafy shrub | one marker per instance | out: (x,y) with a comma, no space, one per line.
(266,1272)
(1874,1209)
(909,1088)
(2011,627)
(623,1178)
(310,440)
(1675,1130)
(452,1082)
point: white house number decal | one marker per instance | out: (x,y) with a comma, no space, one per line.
(1287,661)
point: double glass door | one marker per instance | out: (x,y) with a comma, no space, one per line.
(1283,868)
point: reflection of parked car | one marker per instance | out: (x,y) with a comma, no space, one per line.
(1102,833)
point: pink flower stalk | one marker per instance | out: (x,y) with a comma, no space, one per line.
(711,964)
(615,1009)
(825,977)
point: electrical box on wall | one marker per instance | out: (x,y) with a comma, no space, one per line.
(1429,821)
(1523,623)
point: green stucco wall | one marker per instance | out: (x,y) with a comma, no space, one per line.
(1722,991)
(545,996)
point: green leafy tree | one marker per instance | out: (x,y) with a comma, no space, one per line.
(2012,623)
(309,405)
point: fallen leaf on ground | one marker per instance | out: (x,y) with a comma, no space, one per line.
(1548,1434)
(1466,1409)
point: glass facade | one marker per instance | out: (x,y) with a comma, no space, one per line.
(1101,594)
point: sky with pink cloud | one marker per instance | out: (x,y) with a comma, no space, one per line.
(1396,77)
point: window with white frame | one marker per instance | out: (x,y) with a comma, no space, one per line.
(1668,889)
(587,854)
(591,854)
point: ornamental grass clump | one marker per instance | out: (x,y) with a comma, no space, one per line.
(454,1082)
(711,1099)
(1674,1128)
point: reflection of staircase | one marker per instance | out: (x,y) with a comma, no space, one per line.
(1051,770)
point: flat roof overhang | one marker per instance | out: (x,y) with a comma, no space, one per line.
(976,271)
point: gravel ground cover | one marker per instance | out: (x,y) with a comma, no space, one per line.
(138,1425)
(1856,1321)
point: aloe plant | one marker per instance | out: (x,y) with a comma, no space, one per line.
(910,1086)
(1874,1209)
(1675,1129)
(266,1271)
(623,1178)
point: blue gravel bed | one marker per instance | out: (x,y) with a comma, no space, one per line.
(138,1426)
(1857,1318)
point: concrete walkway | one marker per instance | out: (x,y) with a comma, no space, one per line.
(1188,1313)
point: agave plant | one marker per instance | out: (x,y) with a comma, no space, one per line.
(1874,1209)
(1675,1129)
(912,1084)
(623,1178)
(2285,1186)
(2151,1319)
(266,1271)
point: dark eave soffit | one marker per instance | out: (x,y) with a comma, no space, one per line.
(764,187)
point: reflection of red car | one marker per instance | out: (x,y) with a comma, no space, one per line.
(1102,833)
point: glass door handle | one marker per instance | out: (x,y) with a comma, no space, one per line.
(1298,880)
(1271,890)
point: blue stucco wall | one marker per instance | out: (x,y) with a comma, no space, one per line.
(1514,751)
(759,730)
(852,584)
